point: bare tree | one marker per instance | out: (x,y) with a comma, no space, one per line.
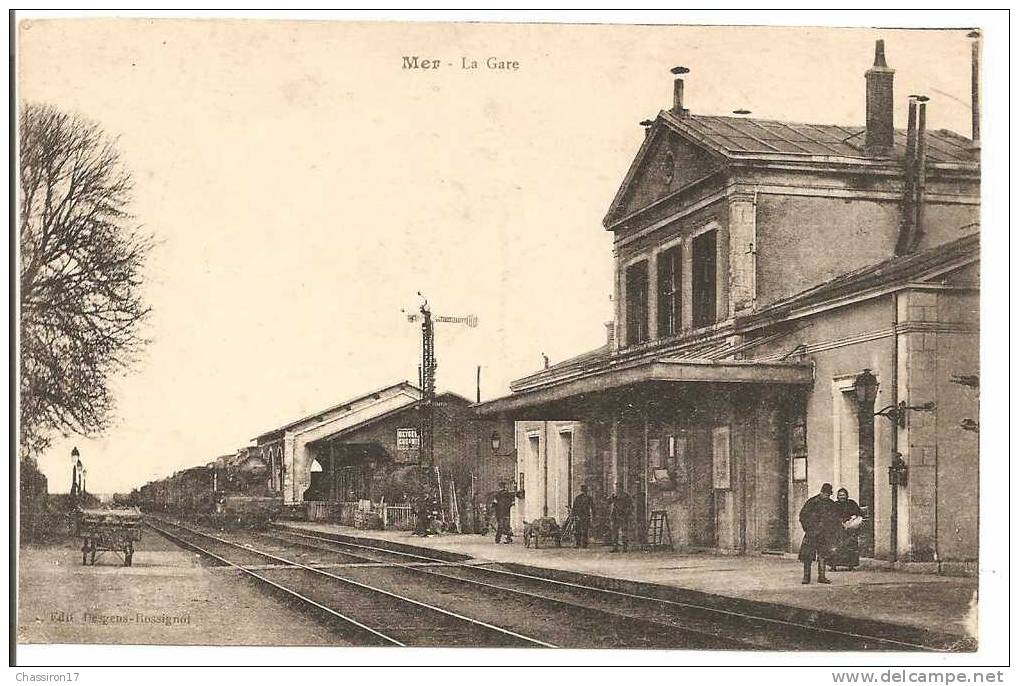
(81,259)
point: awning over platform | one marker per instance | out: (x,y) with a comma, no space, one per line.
(667,370)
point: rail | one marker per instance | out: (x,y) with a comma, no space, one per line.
(886,643)
(351,582)
(388,640)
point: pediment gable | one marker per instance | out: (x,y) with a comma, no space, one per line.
(666,163)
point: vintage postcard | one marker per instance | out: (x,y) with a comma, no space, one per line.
(500,335)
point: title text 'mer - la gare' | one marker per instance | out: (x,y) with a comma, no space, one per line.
(464,63)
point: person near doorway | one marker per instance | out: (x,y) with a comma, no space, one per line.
(422,509)
(435,524)
(817,517)
(620,511)
(583,513)
(501,505)
(846,546)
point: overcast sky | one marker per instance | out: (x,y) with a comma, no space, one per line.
(303,187)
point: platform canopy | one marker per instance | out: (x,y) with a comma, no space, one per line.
(646,375)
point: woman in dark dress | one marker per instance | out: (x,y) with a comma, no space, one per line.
(846,552)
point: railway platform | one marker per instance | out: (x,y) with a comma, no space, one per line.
(889,599)
(169,596)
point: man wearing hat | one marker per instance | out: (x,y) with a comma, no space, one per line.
(583,512)
(501,505)
(817,517)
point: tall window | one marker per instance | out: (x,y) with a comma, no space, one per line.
(704,274)
(636,303)
(566,452)
(669,302)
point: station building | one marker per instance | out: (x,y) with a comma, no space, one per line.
(369,449)
(794,304)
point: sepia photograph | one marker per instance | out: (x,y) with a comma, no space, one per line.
(522,334)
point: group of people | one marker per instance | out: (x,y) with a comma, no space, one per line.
(831,527)
(830,533)
(620,512)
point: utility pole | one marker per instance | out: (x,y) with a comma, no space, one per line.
(428,367)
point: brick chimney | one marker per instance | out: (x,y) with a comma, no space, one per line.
(880,127)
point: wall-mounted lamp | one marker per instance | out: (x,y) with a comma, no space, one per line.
(897,413)
(865,388)
(898,472)
(496,441)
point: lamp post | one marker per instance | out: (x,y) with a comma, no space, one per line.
(865,388)
(898,474)
(75,474)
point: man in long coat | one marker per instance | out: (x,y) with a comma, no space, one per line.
(501,505)
(583,512)
(620,510)
(818,517)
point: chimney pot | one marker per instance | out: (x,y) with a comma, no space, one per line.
(879,54)
(677,91)
(677,98)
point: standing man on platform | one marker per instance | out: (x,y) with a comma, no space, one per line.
(620,510)
(501,505)
(583,513)
(818,517)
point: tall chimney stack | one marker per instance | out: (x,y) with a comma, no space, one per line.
(880,126)
(677,91)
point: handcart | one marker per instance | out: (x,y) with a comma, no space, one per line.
(114,531)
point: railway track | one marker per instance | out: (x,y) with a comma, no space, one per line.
(395,597)
(372,615)
(537,618)
(732,629)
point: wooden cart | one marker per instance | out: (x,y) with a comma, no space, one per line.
(114,531)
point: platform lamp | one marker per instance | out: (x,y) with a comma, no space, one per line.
(865,388)
(75,461)
(496,441)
